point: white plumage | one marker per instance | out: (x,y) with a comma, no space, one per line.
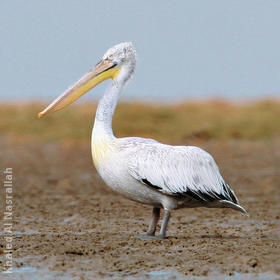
(144,170)
(178,170)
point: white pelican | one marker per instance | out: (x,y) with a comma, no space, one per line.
(144,170)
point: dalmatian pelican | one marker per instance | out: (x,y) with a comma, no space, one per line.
(144,170)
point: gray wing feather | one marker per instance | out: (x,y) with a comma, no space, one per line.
(179,170)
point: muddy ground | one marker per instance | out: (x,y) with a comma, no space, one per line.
(69,225)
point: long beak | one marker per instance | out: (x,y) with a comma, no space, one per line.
(103,70)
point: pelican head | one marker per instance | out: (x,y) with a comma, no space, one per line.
(124,56)
(118,63)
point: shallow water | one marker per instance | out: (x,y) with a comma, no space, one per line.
(27,272)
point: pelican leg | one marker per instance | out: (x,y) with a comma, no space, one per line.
(150,235)
(154,221)
(165,220)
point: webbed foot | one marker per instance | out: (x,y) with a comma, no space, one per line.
(150,237)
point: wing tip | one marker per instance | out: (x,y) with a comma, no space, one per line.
(236,207)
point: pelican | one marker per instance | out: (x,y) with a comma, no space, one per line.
(145,170)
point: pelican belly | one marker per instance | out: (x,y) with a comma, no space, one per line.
(111,165)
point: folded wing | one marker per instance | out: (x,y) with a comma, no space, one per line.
(180,170)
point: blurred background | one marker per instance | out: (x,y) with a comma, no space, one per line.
(187,49)
(211,68)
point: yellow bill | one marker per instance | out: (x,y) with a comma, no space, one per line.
(104,70)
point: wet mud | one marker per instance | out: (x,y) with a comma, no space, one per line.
(69,225)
